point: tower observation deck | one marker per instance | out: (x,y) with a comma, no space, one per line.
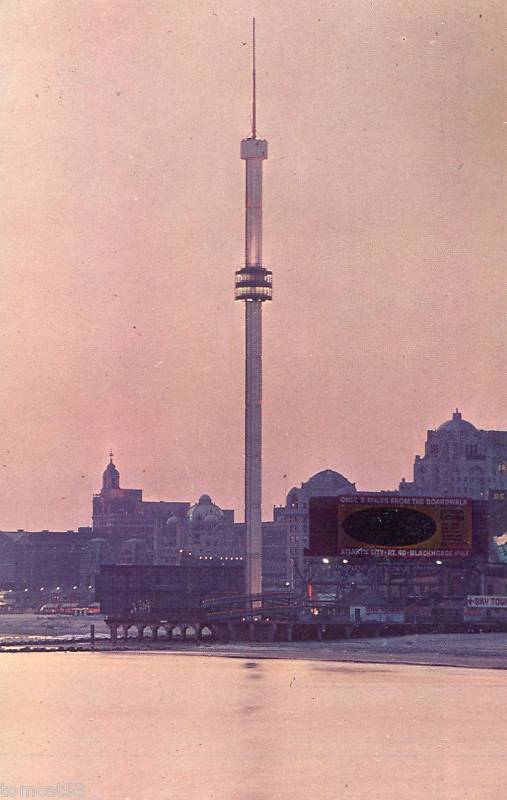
(253,284)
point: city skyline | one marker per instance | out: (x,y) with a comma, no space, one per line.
(288,487)
(123,215)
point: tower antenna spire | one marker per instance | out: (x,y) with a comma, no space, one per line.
(254,98)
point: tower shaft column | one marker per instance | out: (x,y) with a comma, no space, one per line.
(253,446)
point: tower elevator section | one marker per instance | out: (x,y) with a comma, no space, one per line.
(253,282)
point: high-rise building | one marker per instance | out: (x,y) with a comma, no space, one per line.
(121,516)
(460,460)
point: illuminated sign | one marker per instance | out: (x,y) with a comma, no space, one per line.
(388,525)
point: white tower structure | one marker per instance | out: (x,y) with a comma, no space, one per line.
(253,285)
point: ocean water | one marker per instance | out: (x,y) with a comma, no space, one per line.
(35,627)
(138,725)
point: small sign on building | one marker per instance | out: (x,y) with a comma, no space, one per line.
(487,601)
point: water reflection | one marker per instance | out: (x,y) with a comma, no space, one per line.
(188,727)
(253,665)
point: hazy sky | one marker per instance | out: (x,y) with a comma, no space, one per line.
(122,225)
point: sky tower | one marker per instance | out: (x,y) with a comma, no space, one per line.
(253,285)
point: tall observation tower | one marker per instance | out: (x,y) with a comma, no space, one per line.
(253,285)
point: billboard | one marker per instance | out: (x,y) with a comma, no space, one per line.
(390,526)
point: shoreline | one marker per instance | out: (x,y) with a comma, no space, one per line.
(426,652)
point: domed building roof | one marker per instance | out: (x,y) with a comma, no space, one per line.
(205,510)
(457,425)
(328,476)
(326,482)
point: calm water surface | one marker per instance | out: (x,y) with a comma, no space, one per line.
(192,727)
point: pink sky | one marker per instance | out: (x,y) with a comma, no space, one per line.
(122,225)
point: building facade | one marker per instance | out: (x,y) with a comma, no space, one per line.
(121,516)
(205,532)
(294,515)
(209,534)
(460,460)
(49,561)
